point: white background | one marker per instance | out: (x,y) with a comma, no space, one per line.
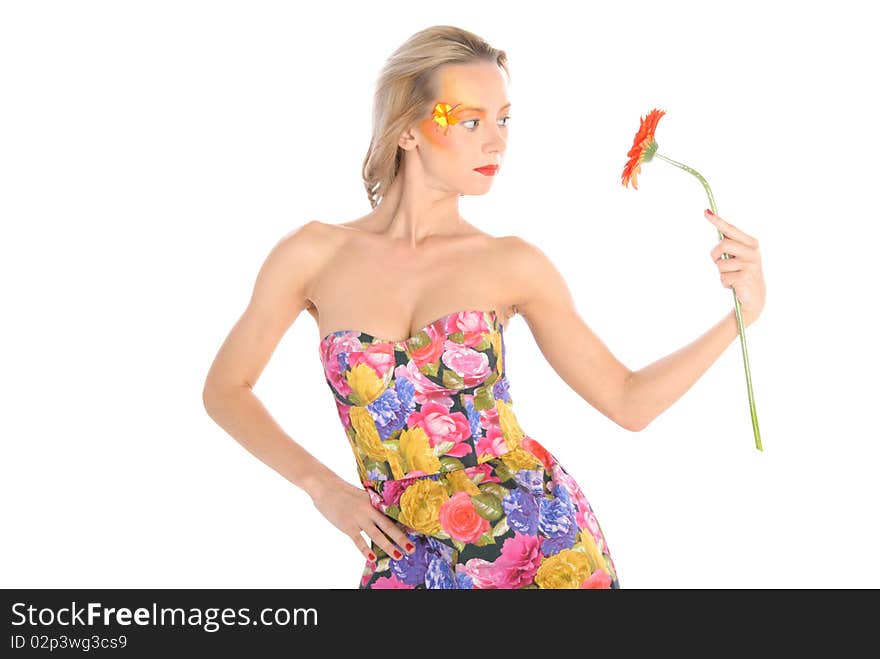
(154,152)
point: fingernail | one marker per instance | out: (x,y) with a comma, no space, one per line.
(709,210)
(372,556)
(410,546)
(397,554)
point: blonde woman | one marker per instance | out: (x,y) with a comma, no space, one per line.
(455,493)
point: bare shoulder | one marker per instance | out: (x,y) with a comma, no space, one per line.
(521,250)
(307,247)
(546,303)
(298,249)
(531,272)
(288,272)
(313,235)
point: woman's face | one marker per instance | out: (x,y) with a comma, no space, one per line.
(466,129)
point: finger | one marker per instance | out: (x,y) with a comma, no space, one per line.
(738,285)
(730,280)
(381,540)
(733,264)
(393,531)
(362,546)
(731,231)
(729,246)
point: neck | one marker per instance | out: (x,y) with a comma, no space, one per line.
(412,212)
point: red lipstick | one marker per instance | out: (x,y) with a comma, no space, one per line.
(488,170)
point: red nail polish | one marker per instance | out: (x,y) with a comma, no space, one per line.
(372,556)
(409,546)
(709,210)
(397,554)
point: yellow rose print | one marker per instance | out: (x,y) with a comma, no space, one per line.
(365,385)
(416,452)
(495,340)
(597,560)
(459,481)
(393,459)
(420,505)
(519,458)
(567,569)
(513,434)
(367,437)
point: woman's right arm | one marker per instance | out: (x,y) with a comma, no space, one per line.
(279,295)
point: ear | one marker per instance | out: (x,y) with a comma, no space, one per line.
(407,140)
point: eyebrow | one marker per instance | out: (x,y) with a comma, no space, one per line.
(482,110)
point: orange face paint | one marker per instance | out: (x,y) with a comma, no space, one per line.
(436,127)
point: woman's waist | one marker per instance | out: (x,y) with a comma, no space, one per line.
(429,445)
(498,459)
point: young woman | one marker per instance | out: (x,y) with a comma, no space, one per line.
(411,302)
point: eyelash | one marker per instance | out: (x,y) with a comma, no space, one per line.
(477,120)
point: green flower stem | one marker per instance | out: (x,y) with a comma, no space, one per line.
(739,321)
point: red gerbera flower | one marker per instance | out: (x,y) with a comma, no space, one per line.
(643,149)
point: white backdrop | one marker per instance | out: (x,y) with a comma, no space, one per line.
(154,152)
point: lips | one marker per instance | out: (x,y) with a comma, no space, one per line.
(488,170)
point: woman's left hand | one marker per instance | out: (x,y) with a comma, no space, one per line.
(741,270)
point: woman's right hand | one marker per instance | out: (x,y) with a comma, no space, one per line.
(350,510)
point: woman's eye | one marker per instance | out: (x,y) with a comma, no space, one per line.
(467,121)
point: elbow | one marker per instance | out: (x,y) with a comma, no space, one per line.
(209,397)
(628,420)
(216,395)
(635,427)
(206,401)
(628,423)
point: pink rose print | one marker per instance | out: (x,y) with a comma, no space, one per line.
(342,409)
(489,419)
(331,348)
(493,443)
(471,365)
(441,426)
(515,567)
(392,489)
(378,356)
(574,493)
(599,579)
(391,582)
(426,389)
(431,352)
(519,561)
(470,323)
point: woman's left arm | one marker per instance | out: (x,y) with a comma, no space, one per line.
(569,345)
(632,399)
(654,388)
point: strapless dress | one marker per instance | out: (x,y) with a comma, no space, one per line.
(438,448)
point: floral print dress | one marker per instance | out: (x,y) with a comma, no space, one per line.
(438,448)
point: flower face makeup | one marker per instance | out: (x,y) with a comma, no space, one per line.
(443,116)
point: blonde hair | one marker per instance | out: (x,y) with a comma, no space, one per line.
(404,91)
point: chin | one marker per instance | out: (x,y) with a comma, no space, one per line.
(475,192)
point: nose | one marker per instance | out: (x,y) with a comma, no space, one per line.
(495,142)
